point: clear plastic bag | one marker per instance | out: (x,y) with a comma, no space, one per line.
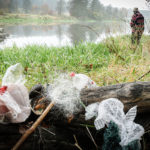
(14,97)
(14,75)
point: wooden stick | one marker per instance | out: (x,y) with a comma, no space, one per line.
(33,127)
(144,75)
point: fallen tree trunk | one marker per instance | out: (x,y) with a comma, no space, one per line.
(131,94)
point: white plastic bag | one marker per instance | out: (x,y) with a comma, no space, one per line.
(81,81)
(112,110)
(14,97)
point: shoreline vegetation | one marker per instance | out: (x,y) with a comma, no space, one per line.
(9,19)
(32,19)
(112,61)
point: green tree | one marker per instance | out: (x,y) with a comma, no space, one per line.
(13,5)
(79,8)
(96,9)
(95,6)
(60,7)
(27,5)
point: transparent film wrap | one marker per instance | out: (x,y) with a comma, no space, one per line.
(14,100)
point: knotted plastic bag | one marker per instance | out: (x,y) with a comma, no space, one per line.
(14,97)
(112,110)
(81,81)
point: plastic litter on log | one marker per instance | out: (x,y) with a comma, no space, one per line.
(14,97)
(112,110)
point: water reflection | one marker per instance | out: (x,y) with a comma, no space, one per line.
(63,34)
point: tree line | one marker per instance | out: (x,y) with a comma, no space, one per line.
(81,9)
(95,10)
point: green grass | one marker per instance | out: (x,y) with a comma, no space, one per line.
(113,61)
(34,19)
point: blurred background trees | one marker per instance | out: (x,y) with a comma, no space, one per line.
(81,9)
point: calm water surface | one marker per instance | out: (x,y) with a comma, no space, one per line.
(62,34)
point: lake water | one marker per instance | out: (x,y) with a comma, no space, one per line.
(62,34)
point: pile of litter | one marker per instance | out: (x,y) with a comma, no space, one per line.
(64,93)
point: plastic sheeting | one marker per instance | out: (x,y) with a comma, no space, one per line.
(112,110)
(14,97)
(14,75)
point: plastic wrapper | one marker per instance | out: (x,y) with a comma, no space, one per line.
(112,110)
(14,97)
(81,81)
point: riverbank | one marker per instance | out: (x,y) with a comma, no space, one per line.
(34,19)
(113,61)
(7,19)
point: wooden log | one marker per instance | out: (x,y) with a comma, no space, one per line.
(131,94)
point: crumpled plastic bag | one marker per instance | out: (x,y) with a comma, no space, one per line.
(112,110)
(14,97)
(14,75)
(81,81)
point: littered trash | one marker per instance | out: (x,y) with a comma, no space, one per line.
(65,91)
(14,75)
(14,97)
(111,110)
(81,81)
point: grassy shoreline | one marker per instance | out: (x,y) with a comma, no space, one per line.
(7,19)
(112,61)
(33,19)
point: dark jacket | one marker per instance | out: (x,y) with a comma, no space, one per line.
(137,22)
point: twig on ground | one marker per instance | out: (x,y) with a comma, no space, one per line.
(147,131)
(143,141)
(40,134)
(33,127)
(76,143)
(92,137)
(144,75)
(48,131)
